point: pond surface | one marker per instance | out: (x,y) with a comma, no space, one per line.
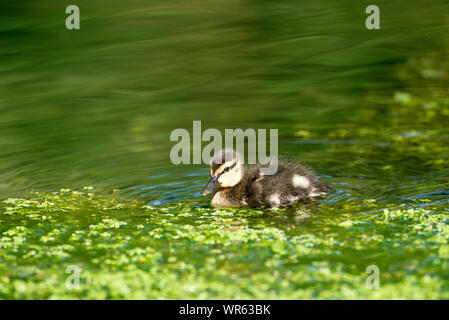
(367,109)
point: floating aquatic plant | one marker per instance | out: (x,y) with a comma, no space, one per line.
(127,249)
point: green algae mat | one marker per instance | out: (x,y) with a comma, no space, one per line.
(129,250)
(368,110)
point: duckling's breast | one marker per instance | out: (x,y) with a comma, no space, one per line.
(225,199)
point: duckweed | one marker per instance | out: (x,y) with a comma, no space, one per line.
(127,249)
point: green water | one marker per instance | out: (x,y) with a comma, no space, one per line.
(367,109)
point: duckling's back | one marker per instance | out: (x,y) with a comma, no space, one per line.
(292,182)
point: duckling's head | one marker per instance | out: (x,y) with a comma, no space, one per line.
(226,171)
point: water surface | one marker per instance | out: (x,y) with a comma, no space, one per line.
(367,109)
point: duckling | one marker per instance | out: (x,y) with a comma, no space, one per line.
(233,185)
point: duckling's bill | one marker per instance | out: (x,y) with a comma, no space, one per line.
(210,187)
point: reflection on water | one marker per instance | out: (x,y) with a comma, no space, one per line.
(96,106)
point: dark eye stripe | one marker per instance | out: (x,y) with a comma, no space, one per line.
(227,169)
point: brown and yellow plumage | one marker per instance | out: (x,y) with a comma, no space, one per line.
(233,185)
